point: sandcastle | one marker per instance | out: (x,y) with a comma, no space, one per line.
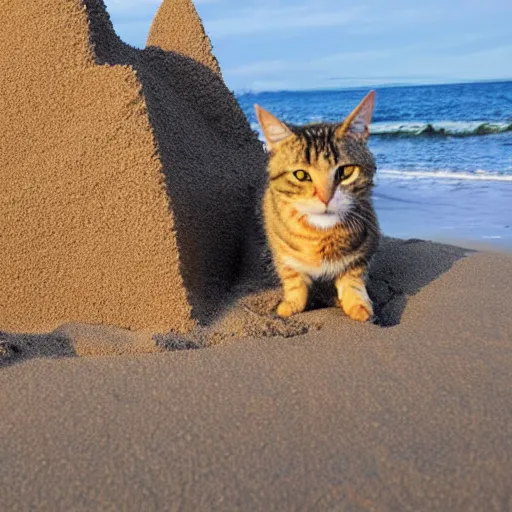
(127,175)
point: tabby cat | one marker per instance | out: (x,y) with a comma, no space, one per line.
(317,208)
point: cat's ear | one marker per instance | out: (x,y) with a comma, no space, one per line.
(357,124)
(274,130)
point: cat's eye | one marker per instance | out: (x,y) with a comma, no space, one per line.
(302,175)
(345,172)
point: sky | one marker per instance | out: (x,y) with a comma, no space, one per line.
(265,45)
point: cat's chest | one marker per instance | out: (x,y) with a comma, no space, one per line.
(325,269)
(320,255)
(324,258)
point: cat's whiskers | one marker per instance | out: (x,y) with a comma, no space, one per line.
(362,223)
(366,220)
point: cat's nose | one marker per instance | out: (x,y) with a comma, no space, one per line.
(324,196)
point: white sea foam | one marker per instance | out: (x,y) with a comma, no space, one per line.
(478,175)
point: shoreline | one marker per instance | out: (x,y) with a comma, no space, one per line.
(471,213)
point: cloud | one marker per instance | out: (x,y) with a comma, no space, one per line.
(281,19)
(326,63)
(299,44)
(433,63)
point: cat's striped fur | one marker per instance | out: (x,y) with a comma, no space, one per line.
(318,212)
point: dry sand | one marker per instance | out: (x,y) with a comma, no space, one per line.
(314,413)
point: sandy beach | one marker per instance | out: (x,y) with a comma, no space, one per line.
(142,366)
(348,417)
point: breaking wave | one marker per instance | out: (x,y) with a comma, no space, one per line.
(435,129)
(439,129)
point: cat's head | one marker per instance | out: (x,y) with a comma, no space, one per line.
(324,170)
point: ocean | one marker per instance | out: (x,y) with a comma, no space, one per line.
(443,152)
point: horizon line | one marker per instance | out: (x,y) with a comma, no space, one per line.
(396,85)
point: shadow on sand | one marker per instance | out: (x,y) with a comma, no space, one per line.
(17,348)
(401,268)
(214,165)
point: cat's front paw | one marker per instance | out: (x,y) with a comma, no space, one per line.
(287,309)
(353,299)
(362,312)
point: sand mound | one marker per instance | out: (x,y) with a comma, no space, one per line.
(127,176)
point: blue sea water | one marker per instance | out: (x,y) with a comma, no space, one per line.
(444,154)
